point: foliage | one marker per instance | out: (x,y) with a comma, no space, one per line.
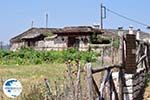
(32,79)
(27,56)
(48,34)
(99,39)
(36,93)
(147,80)
(116,43)
(47,81)
(93,38)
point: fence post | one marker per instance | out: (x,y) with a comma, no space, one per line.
(148,54)
(112,51)
(90,82)
(78,92)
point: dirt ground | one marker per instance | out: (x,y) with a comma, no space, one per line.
(147,93)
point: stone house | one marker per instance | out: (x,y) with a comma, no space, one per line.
(54,38)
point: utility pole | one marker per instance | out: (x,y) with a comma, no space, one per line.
(103,14)
(46,20)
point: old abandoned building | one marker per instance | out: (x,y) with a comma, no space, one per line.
(62,38)
(54,38)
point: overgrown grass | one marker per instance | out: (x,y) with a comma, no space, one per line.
(51,71)
(28,56)
(30,75)
(31,67)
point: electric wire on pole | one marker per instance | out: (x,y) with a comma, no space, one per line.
(127,18)
(103,16)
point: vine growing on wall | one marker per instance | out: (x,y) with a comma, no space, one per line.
(116,43)
(99,39)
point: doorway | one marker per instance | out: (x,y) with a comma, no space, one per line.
(73,42)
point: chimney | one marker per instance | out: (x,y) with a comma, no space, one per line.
(138,34)
(120,31)
(131,30)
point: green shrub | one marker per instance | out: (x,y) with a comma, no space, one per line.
(116,43)
(30,56)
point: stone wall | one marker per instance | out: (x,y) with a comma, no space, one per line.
(133,77)
(16,46)
(60,44)
(54,44)
(133,87)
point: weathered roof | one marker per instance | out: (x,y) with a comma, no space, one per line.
(49,32)
(78,29)
(34,32)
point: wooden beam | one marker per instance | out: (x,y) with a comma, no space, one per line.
(96,70)
(121,84)
(90,82)
(140,60)
(96,87)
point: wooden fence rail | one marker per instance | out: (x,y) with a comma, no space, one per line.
(108,79)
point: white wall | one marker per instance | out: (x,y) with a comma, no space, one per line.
(16,46)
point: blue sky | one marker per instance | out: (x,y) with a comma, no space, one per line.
(17,15)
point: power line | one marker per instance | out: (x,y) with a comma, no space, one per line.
(127,18)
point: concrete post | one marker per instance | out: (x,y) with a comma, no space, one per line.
(138,34)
